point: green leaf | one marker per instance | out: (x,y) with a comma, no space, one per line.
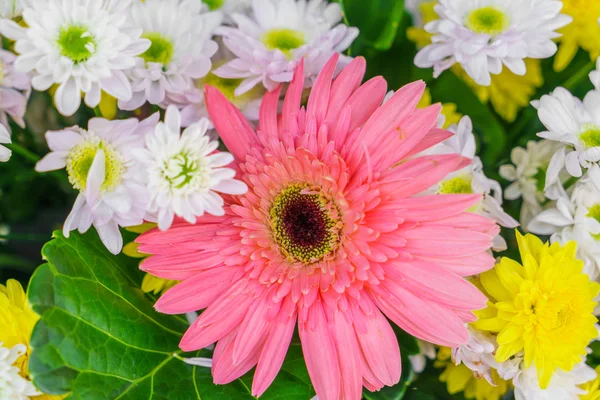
(377,20)
(99,337)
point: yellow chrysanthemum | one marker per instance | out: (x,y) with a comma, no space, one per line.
(592,388)
(150,283)
(17,320)
(508,93)
(583,32)
(448,109)
(543,307)
(459,378)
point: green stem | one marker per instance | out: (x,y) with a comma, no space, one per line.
(580,75)
(18,149)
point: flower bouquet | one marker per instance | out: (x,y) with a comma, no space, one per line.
(299,199)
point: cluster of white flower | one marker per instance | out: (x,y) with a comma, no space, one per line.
(162,53)
(484,36)
(559,176)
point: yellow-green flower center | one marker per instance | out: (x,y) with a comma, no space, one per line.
(186,173)
(283,39)
(214,4)
(81,157)
(76,43)
(161,49)
(458,185)
(487,20)
(306,224)
(590,137)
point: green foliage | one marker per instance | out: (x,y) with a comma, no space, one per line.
(100,338)
(377,20)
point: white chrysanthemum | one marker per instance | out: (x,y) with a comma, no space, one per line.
(471,179)
(79,45)
(11,8)
(184,173)
(576,125)
(485,35)
(478,354)
(180,52)
(276,35)
(192,105)
(426,352)
(15,88)
(12,385)
(100,165)
(528,176)
(575,218)
(563,385)
(4,139)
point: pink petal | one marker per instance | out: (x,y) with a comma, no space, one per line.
(232,126)
(273,353)
(343,86)
(349,357)
(435,283)
(268,113)
(319,95)
(252,327)
(197,292)
(292,101)
(421,318)
(365,100)
(433,137)
(224,371)
(320,354)
(380,349)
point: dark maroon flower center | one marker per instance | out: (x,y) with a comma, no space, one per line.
(303,224)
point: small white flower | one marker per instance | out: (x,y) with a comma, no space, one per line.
(576,125)
(100,165)
(485,35)
(472,179)
(478,354)
(4,139)
(528,176)
(563,385)
(419,361)
(575,218)
(595,74)
(227,7)
(184,173)
(80,45)
(180,52)
(192,105)
(12,385)
(276,35)
(15,88)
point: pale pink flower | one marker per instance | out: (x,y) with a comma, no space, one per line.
(15,88)
(330,236)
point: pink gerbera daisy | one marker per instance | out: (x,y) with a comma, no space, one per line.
(330,236)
